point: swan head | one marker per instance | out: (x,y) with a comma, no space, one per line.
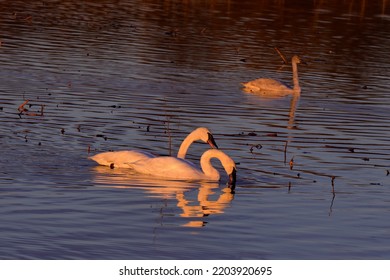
(227,162)
(230,167)
(202,134)
(232,177)
(205,135)
(295,59)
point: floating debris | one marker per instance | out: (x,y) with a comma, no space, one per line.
(21,108)
(173,32)
(291,163)
(258,146)
(272,134)
(28,19)
(352,150)
(24,111)
(102,136)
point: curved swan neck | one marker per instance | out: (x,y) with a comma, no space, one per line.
(192,137)
(209,171)
(205,163)
(201,133)
(296,88)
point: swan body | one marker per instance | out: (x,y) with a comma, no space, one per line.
(181,169)
(119,159)
(272,87)
(122,159)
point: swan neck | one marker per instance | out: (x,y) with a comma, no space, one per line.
(185,145)
(295,77)
(209,171)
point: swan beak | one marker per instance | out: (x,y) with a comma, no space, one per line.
(211,141)
(232,177)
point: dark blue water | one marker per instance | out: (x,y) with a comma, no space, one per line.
(142,75)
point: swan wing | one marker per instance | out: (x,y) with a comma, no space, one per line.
(269,87)
(168,167)
(120,158)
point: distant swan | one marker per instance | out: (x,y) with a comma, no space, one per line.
(181,169)
(272,87)
(123,158)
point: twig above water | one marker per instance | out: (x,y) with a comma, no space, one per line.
(281,55)
(334,195)
(285,152)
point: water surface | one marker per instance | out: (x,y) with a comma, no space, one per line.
(142,75)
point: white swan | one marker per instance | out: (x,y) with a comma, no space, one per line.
(272,87)
(123,158)
(181,169)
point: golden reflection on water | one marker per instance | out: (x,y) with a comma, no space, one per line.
(208,202)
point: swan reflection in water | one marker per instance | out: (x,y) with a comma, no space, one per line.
(293,108)
(193,209)
(294,102)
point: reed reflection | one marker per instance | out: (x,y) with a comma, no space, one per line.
(194,210)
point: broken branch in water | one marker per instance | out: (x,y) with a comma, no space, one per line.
(21,108)
(24,111)
(39,113)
